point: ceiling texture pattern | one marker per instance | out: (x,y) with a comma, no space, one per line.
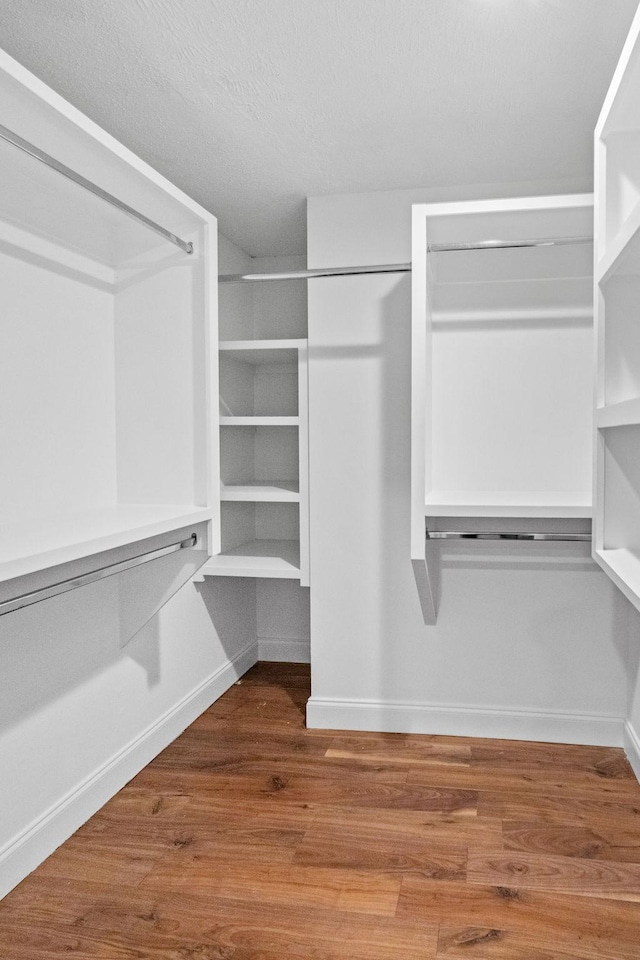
(250,106)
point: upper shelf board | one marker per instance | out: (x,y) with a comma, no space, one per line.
(29,546)
(45,203)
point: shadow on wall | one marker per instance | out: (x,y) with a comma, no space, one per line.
(51,648)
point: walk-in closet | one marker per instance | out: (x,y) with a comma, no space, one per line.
(320,480)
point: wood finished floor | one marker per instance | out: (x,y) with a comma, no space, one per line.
(251,837)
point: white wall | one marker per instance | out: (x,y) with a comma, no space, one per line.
(79,716)
(531,641)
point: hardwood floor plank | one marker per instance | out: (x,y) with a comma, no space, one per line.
(551,782)
(348,890)
(555,809)
(489,943)
(369,849)
(537,912)
(604,841)
(359,792)
(579,877)
(399,749)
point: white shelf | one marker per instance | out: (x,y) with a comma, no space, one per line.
(507,504)
(276,491)
(278,559)
(624,246)
(623,566)
(29,546)
(259,421)
(262,351)
(625,413)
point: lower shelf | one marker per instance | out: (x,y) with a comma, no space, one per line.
(257,558)
(623,566)
(508,503)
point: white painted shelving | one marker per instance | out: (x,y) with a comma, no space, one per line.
(104,346)
(501,368)
(616,533)
(263,436)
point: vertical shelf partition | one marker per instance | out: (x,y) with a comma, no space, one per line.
(616,538)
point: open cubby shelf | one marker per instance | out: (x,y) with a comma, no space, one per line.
(283,491)
(257,558)
(263,457)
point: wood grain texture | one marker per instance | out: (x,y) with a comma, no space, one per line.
(252,838)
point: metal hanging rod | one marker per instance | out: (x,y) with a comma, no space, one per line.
(37,154)
(399,267)
(310,274)
(504,244)
(44,593)
(463,535)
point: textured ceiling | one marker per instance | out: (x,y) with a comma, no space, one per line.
(252,105)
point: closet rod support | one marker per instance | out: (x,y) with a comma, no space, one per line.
(63,586)
(61,168)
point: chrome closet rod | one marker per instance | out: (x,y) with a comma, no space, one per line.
(310,274)
(464,535)
(61,168)
(506,244)
(399,267)
(44,593)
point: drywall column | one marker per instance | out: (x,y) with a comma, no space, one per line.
(531,645)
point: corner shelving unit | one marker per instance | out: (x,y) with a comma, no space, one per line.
(616,535)
(263,456)
(109,310)
(501,367)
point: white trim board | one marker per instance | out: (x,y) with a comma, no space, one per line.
(461,721)
(275,650)
(25,852)
(632,748)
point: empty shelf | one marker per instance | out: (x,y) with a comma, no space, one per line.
(31,545)
(507,503)
(258,558)
(622,255)
(262,351)
(259,421)
(625,413)
(276,491)
(623,566)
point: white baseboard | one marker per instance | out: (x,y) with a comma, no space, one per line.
(632,748)
(325,714)
(23,854)
(284,651)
